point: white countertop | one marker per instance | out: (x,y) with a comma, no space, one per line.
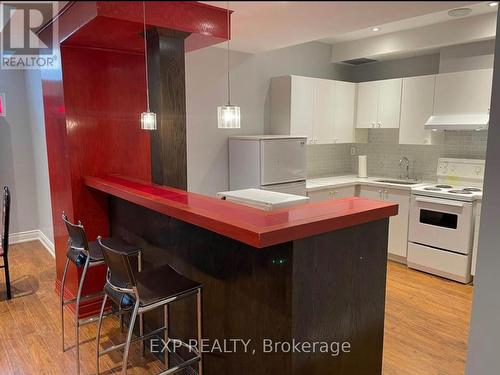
(321,183)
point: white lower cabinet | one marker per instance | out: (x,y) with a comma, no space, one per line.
(398,225)
(332,193)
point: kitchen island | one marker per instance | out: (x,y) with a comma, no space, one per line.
(312,274)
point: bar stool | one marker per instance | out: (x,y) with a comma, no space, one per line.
(87,254)
(147,290)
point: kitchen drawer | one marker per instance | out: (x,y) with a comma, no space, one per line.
(332,193)
(438,262)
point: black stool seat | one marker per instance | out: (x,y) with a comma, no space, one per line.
(122,300)
(162,283)
(78,257)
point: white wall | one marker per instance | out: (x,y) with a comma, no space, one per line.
(37,121)
(206,88)
(484,339)
(17,166)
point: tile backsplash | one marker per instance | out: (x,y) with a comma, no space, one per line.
(328,160)
(383,154)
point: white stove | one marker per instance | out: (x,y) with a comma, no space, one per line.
(446,191)
(442,219)
(458,179)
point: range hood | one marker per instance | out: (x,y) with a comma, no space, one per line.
(464,121)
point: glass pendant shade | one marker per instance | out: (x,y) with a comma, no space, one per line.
(148,121)
(228,117)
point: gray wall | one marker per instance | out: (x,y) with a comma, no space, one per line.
(23,154)
(17,165)
(37,121)
(407,67)
(467,57)
(206,82)
(484,339)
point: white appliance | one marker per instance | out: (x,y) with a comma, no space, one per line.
(268,162)
(263,199)
(442,220)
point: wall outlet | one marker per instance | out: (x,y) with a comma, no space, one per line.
(353,151)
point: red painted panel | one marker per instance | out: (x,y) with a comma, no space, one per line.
(58,163)
(188,16)
(249,225)
(119,25)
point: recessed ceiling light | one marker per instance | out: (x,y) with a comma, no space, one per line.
(493,3)
(376,29)
(460,12)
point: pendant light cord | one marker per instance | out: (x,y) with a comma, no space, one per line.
(228,74)
(145,52)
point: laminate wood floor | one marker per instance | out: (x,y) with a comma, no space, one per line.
(427,320)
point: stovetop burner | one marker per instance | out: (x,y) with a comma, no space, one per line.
(444,186)
(463,191)
(475,190)
(432,188)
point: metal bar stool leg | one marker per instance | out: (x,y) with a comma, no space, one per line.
(77,314)
(166,333)
(141,316)
(99,326)
(63,283)
(129,338)
(199,314)
(7,275)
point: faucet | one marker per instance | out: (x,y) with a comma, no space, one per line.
(404,162)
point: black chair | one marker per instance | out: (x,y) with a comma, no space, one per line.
(145,291)
(85,254)
(4,243)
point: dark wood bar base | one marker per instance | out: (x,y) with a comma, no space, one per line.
(325,288)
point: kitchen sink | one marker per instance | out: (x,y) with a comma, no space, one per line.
(399,182)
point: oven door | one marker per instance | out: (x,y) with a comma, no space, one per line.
(442,223)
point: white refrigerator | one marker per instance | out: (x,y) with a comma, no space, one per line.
(268,162)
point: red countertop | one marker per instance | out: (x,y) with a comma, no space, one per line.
(245,224)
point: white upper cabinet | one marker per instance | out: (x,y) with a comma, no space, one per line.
(417,105)
(379,104)
(389,103)
(324,111)
(463,92)
(302,107)
(367,106)
(345,106)
(321,109)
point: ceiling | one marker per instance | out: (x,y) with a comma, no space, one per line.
(263,26)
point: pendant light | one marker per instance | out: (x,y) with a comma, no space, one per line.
(228,116)
(148,118)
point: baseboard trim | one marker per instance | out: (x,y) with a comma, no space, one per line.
(33,235)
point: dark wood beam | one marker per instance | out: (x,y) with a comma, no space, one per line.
(167,92)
